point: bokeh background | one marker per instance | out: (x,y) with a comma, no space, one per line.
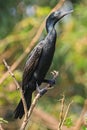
(19,23)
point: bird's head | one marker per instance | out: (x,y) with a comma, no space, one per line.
(54,17)
(57,15)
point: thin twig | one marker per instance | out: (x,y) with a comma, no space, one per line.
(66,113)
(24,124)
(55,75)
(61,113)
(37,97)
(10,72)
(18,87)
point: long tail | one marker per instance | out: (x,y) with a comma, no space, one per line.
(19,111)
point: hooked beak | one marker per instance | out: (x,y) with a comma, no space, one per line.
(67,12)
(64,13)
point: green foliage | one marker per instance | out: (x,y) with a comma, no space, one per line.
(68,122)
(78,99)
(3,121)
(84,128)
(41,11)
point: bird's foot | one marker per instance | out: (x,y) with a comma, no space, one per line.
(40,91)
(51,82)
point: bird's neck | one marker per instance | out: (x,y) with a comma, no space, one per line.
(49,26)
(51,31)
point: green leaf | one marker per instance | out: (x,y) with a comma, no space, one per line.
(84,128)
(68,122)
(3,121)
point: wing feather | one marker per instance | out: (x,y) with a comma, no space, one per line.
(30,65)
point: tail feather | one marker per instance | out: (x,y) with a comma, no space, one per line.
(19,111)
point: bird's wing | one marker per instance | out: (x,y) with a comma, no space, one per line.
(30,65)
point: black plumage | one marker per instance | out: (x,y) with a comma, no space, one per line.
(39,62)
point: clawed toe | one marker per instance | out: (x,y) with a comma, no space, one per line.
(52,82)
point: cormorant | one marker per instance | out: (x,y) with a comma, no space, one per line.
(39,62)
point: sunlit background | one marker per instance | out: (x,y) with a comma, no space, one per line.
(19,23)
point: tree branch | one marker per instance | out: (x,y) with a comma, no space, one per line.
(28,113)
(18,87)
(55,74)
(62,115)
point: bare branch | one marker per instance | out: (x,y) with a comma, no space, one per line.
(10,72)
(66,113)
(61,113)
(18,87)
(55,74)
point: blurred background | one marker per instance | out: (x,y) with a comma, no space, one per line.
(19,22)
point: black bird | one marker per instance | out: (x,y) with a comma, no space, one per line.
(39,62)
